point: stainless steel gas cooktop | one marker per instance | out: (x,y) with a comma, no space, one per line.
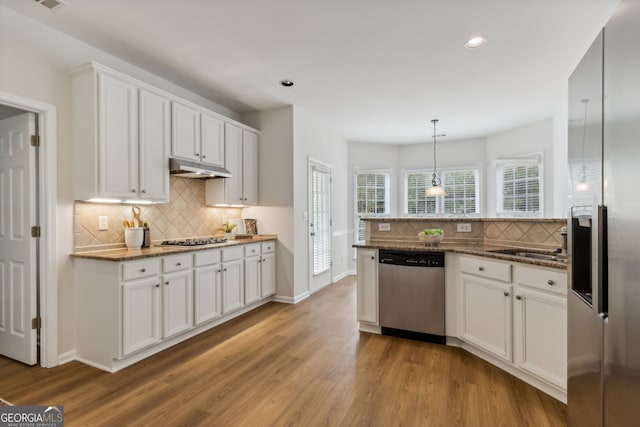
(194,242)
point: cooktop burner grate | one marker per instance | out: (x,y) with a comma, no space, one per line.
(194,242)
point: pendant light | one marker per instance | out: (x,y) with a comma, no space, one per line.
(435,190)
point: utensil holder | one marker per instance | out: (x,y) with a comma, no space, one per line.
(133,237)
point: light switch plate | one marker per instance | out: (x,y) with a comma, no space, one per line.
(463,228)
(103,223)
(385,226)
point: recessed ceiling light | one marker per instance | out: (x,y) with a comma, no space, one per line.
(286,83)
(475,42)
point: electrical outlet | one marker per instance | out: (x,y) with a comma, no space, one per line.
(463,228)
(384,226)
(103,223)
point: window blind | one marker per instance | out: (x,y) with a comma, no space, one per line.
(321,217)
(520,185)
(461,187)
(371,199)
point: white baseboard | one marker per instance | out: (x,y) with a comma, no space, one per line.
(343,275)
(67,357)
(291,300)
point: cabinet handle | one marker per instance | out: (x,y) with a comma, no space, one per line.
(506,294)
(144,191)
(166,283)
(518,297)
(550,282)
(143,270)
(481,268)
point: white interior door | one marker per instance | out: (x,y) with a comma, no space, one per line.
(319,226)
(18,276)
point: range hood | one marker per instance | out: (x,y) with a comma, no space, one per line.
(188,169)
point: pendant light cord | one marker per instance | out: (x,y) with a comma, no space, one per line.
(434,178)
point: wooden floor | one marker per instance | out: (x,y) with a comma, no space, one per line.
(293,365)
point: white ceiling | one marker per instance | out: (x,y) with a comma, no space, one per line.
(372,70)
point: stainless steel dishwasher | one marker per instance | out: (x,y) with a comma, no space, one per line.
(412,300)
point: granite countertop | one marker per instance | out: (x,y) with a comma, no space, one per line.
(124,254)
(488,251)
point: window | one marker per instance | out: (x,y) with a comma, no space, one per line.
(371,198)
(461,186)
(520,187)
(321,217)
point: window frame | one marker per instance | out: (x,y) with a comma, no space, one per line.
(440,205)
(530,159)
(387,198)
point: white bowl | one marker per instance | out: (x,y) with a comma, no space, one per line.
(431,239)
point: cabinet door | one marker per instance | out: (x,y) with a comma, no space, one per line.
(208,293)
(177,303)
(232,285)
(118,137)
(154,143)
(249,167)
(268,274)
(252,279)
(212,143)
(540,335)
(367,286)
(487,315)
(185,134)
(141,313)
(233,162)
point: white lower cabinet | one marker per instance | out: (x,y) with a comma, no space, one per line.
(517,313)
(367,286)
(252,279)
(141,314)
(128,310)
(487,315)
(232,279)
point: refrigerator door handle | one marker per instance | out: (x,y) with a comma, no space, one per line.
(603,262)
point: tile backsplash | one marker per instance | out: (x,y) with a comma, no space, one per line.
(185,216)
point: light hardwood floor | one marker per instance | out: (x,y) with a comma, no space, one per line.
(293,365)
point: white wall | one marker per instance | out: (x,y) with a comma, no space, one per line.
(314,140)
(560,161)
(34,60)
(275,189)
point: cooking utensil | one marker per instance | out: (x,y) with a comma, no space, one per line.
(137,222)
(126,224)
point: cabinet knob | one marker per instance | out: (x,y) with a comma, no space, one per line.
(225,269)
(550,282)
(219,270)
(197,154)
(133,190)
(204,156)
(144,191)
(518,297)
(481,268)
(372,257)
(143,270)
(178,264)
(259,260)
(157,285)
(166,283)
(506,294)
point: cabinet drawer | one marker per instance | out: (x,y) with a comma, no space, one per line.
(268,247)
(207,257)
(485,268)
(140,268)
(229,254)
(176,262)
(541,278)
(252,250)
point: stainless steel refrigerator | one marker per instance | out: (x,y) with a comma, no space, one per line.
(604,228)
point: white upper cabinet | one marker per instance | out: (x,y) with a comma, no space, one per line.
(121,137)
(212,143)
(117,137)
(186,132)
(197,136)
(241,159)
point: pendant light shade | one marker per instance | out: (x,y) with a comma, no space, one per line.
(435,190)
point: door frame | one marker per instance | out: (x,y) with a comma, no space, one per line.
(310,162)
(48,182)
